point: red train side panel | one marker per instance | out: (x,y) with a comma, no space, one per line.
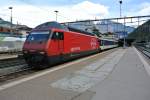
(72,42)
(76,42)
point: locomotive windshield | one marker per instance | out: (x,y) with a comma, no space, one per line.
(38,36)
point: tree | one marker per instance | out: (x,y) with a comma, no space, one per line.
(96,31)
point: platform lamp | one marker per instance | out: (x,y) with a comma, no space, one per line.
(56,14)
(120,2)
(11,18)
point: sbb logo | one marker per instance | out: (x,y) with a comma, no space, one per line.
(93,43)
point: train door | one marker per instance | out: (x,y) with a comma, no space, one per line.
(58,38)
(60,42)
(102,44)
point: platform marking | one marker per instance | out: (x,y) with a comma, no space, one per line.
(87,77)
(14,83)
(146,65)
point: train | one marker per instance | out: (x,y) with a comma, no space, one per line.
(51,43)
(105,44)
(11,44)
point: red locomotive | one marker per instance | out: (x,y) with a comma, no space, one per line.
(51,43)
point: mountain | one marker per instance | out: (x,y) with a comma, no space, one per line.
(114,27)
(142,33)
(103,26)
(4,23)
(1,19)
(7,24)
(85,26)
(5,27)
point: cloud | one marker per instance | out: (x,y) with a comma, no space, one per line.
(139,10)
(145,9)
(33,15)
(91,8)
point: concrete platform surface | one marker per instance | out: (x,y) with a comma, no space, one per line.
(120,75)
(128,81)
(2,57)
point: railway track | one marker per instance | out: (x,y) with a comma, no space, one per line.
(13,68)
(7,55)
(144,50)
(12,65)
(10,53)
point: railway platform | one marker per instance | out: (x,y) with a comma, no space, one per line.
(123,74)
(7,56)
(10,54)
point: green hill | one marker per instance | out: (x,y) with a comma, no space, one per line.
(142,33)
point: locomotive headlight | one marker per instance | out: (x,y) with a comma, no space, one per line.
(25,51)
(42,52)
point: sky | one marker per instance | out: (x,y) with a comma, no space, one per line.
(35,12)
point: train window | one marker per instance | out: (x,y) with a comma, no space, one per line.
(61,36)
(58,36)
(54,36)
(101,42)
(38,36)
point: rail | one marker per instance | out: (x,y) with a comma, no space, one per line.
(13,65)
(144,50)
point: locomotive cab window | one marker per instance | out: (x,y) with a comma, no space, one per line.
(58,36)
(38,36)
